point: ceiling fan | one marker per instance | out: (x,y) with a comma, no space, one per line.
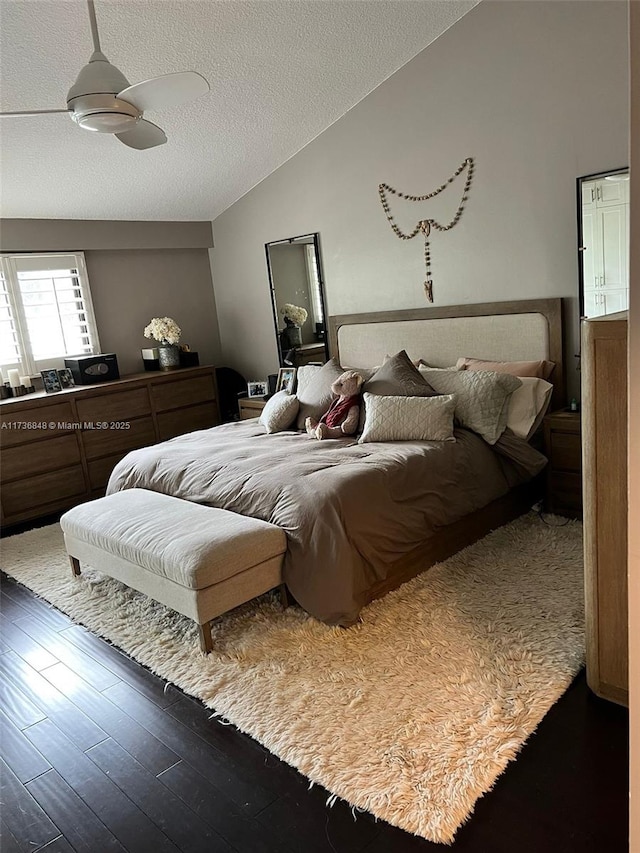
(103,100)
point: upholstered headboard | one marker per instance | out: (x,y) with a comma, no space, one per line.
(527,330)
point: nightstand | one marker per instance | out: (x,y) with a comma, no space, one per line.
(562,447)
(251,407)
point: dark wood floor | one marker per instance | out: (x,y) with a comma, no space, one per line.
(100,755)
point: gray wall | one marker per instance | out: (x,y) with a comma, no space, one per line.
(537,92)
(137,271)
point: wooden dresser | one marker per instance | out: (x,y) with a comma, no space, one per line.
(604,465)
(58,450)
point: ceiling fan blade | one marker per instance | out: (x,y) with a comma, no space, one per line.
(166,91)
(144,135)
(33,113)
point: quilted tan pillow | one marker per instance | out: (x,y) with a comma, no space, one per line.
(280,412)
(408,418)
(482,397)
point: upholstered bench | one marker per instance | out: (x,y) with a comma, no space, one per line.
(198,560)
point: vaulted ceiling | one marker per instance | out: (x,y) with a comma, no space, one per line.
(281,72)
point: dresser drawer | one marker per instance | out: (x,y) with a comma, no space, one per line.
(39,457)
(100,470)
(182,392)
(171,424)
(56,486)
(57,415)
(117,406)
(104,442)
(566,453)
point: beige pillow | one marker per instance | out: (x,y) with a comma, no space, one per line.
(279,412)
(528,405)
(314,390)
(482,397)
(538,369)
(390,418)
(397,376)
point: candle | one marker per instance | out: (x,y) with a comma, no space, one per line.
(26,381)
(14,378)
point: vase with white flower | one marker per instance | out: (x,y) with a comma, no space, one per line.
(166,332)
(294,318)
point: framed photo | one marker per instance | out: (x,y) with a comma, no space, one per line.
(50,381)
(286,379)
(66,378)
(257,389)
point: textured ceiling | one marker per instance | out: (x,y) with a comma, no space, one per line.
(281,71)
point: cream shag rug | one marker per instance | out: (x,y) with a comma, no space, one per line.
(412,714)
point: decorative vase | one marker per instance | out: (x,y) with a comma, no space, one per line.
(292,335)
(168,356)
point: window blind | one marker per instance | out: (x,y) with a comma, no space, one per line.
(53,316)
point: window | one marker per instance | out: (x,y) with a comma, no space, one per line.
(45,311)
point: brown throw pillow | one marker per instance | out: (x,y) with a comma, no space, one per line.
(398,377)
(316,395)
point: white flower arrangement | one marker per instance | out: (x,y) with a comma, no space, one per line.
(294,314)
(164,330)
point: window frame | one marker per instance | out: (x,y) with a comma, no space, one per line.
(28,364)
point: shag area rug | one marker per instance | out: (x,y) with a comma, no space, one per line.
(411,714)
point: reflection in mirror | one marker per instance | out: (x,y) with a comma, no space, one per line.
(297,294)
(603,242)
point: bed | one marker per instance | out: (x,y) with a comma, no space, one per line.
(362,518)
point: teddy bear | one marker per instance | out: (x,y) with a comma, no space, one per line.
(341,418)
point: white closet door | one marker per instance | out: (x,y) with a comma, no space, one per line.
(615,300)
(613,232)
(610,192)
(592,249)
(593,303)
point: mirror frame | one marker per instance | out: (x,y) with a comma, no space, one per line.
(620,171)
(315,237)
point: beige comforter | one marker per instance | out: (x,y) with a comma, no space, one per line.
(348,509)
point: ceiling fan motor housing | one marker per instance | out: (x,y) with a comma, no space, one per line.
(92,99)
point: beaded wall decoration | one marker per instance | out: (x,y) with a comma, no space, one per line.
(425,225)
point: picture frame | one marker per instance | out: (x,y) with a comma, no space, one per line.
(257,389)
(286,379)
(50,381)
(65,376)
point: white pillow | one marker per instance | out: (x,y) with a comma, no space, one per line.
(482,397)
(390,418)
(280,412)
(528,405)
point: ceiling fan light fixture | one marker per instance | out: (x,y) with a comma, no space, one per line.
(104,114)
(107,122)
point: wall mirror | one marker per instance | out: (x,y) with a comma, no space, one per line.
(603,242)
(297,295)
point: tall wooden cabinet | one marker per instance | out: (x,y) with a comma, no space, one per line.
(604,466)
(57,450)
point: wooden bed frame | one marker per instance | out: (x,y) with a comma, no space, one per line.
(469,529)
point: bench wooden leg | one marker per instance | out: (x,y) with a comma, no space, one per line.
(284,596)
(204,632)
(75,565)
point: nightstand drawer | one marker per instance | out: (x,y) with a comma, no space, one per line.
(251,407)
(566,453)
(566,492)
